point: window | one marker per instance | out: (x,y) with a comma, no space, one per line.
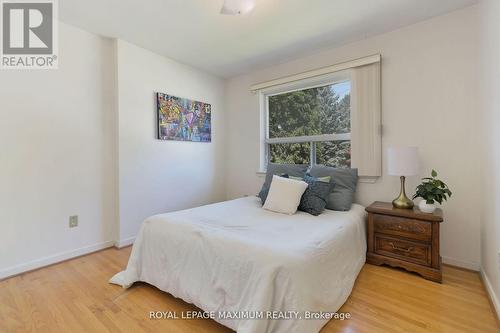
(310,125)
(330,115)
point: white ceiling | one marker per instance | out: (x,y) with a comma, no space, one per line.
(193,32)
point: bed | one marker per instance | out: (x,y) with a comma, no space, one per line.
(238,262)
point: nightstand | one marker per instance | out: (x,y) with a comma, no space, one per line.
(405,238)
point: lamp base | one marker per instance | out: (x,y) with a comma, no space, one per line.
(402,201)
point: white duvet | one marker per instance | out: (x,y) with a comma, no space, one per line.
(236,256)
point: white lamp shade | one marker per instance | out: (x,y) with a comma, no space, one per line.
(237,7)
(402,161)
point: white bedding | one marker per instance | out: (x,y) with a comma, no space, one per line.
(236,256)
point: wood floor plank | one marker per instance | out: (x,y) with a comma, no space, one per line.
(75,296)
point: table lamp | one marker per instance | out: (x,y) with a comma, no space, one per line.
(403,162)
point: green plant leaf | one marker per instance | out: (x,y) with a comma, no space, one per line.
(432,189)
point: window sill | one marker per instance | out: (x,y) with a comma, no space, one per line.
(368,179)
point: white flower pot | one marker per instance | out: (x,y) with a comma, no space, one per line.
(426,208)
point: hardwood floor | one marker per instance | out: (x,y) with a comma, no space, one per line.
(75,296)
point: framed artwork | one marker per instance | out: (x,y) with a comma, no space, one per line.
(182,119)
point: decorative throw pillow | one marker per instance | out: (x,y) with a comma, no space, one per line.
(343,182)
(326,179)
(284,195)
(265,190)
(316,195)
(295,170)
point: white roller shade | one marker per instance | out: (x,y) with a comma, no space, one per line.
(366,136)
(317,72)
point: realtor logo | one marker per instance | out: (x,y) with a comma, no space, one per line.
(29,39)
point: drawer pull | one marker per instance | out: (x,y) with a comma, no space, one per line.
(401,248)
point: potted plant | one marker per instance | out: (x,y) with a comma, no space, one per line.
(431,190)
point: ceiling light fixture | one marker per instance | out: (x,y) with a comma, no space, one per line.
(237,7)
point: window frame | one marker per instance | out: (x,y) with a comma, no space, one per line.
(303,84)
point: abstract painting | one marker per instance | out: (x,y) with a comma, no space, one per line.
(183,119)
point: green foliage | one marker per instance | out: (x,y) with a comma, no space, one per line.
(290,153)
(336,153)
(312,111)
(432,190)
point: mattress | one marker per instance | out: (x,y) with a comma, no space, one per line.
(251,269)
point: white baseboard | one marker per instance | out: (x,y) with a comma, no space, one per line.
(124,242)
(53,259)
(490,291)
(460,263)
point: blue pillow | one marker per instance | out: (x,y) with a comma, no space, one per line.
(343,182)
(315,198)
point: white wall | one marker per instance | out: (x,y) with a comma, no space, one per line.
(429,91)
(490,198)
(56,155)
(81,140)
(160,176)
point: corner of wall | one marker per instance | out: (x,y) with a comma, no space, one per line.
(495,302)
(115,129)
(489,83)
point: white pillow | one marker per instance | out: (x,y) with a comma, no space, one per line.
(284,195)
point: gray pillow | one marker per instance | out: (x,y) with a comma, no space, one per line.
(296,170)
(344,183)
(316,196)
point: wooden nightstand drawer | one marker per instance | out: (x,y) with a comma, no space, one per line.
(404,227)
(409,251)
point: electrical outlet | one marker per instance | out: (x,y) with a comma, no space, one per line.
(73,221)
